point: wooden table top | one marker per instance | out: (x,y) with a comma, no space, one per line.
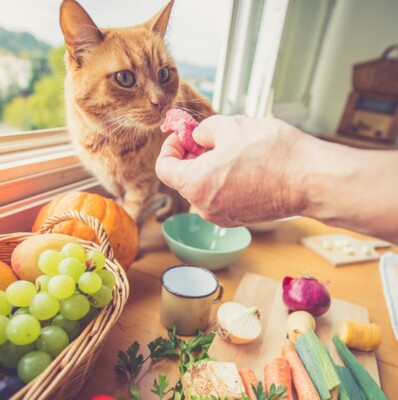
(274,255)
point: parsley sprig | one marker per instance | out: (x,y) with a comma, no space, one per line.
(274,393)
(131,360)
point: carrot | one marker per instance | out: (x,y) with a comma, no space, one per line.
(278,372)
(302,382)
(249,378)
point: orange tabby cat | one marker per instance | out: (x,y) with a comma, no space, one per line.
(119,84)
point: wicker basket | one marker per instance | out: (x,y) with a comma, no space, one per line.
(66,375)
(379,75)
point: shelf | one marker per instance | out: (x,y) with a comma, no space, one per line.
(361,143)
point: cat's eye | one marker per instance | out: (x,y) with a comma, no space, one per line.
(125,78)
(164,75)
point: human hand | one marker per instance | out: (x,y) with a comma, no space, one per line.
(247,175)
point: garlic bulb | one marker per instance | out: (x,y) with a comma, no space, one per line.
(237,323)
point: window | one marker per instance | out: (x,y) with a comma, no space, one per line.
(271,55)
(305,27)
(37,160)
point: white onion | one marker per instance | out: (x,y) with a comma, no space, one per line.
(237,323)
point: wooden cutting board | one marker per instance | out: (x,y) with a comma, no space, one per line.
(342,249)
(266,294)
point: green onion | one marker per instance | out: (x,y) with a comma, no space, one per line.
(318,364)
(368,385)
(348,389)
(348,384)
(324,360)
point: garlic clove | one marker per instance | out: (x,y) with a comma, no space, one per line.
(237,323)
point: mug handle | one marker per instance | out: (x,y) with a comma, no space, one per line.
(220,293)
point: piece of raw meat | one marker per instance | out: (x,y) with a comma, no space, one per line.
(182,124)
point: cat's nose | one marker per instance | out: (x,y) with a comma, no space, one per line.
(158,104)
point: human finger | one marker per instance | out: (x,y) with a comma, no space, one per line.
(211,129)
(170,164)
(172,147)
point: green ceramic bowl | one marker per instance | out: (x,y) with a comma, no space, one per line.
(198,242)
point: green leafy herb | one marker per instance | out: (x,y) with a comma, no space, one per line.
(162,347)
(135,392)
(259,392)
(195,350)
(160,386)
(131,361)
(273,394)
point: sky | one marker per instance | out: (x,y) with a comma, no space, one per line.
(197,27)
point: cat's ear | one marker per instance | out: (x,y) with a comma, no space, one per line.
(160,21)
(80,32)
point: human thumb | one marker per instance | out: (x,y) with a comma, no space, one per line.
(206,133)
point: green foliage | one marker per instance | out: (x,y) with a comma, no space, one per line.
(18,114)
(22,43)
(44,108)
(40,68)
(131,361)
(275,393)
(160,386)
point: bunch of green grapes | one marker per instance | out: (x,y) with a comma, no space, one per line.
(39,320)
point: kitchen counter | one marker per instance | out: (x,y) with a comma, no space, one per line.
(274,254)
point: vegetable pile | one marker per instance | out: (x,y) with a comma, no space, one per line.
(314,373)
(304,370)
(189,355)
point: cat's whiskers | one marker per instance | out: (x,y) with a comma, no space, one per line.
(193,101)
(118,121)
(193,112)
(123,128)
(108,127)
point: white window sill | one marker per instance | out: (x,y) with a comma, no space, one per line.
(22,141)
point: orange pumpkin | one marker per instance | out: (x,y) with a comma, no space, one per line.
(120,227)
(7,275)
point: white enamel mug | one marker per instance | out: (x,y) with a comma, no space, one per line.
(188,292)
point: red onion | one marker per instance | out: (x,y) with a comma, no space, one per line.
(305,293)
